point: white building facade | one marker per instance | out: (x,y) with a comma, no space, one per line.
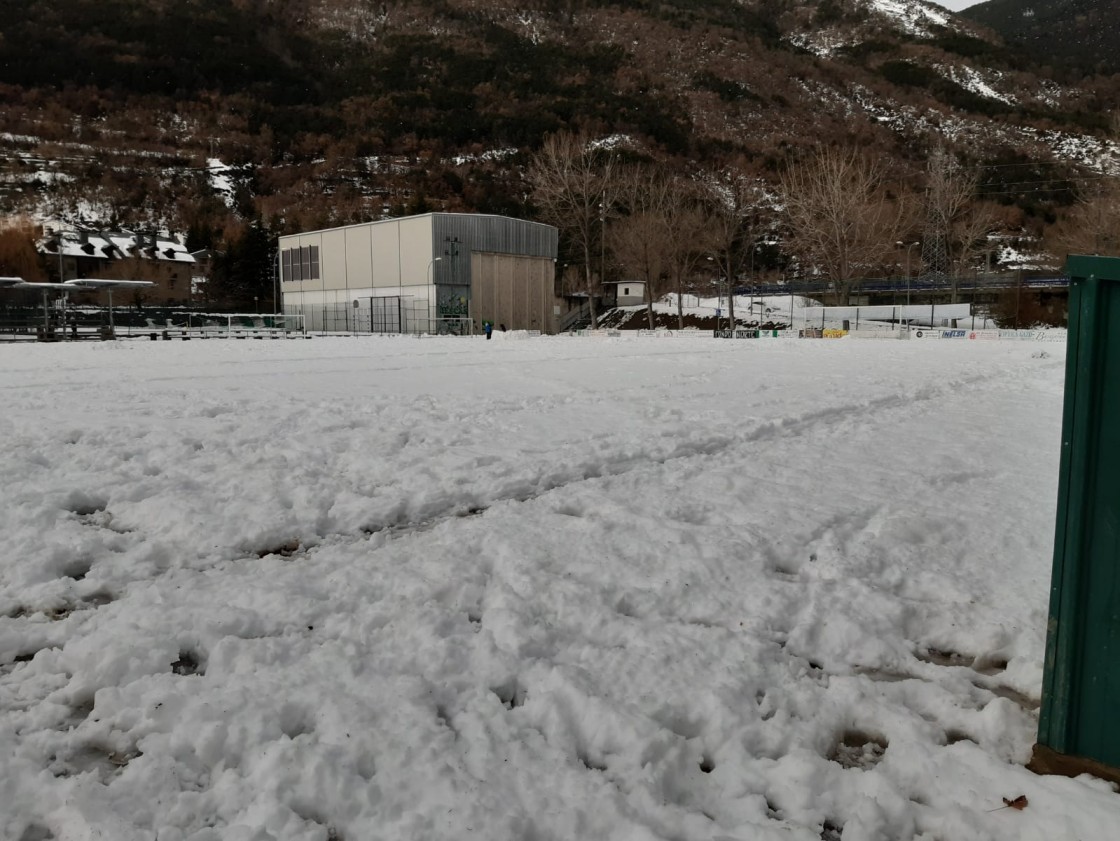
(433,273)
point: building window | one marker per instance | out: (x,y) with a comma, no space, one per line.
(300,263)
(626,290)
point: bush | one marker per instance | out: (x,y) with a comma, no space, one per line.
(1018,308)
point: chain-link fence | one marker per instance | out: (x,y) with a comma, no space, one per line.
(380,315)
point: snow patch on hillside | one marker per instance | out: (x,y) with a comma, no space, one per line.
(220,180)
(533,25)
(973,80)
(489,156)
(913,18)
(821,44)
(359,22)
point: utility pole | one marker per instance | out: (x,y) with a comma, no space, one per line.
(602,243)
(935,240)
(909,246)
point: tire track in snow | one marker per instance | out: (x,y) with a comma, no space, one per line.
(833,418)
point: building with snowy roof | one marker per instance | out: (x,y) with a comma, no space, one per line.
(419,274)
(159,257)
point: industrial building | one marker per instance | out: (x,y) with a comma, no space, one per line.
(433,273)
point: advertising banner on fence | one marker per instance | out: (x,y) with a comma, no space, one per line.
(1034,335)
(875,334)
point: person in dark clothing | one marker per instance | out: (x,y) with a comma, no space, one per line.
(502,327)
(487,328)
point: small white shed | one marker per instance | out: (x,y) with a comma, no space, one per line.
(629,293)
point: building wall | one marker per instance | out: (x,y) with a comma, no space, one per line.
(172,281)
(630,293)
(513,290)
(426,261)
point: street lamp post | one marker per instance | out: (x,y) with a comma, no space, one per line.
(909,246)
(602,244)
(719,289)
(61,272)
(400,300)
(428,275)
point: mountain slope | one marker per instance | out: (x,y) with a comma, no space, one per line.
(1081,33)
(336,111)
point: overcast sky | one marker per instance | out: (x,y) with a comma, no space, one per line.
(957,5)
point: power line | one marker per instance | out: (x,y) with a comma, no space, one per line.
(1073,178)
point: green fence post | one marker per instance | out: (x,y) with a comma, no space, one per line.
(1079,722)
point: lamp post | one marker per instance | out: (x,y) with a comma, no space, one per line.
(61,279)
(400,304)
(909,246)
(602,248)
(61,272)
(719,289)
(428,276)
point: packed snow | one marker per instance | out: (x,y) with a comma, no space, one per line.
(529,588)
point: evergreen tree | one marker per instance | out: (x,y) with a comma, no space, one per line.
(244,268)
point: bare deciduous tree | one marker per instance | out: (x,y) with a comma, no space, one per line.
(18,257)
(573,185)
(1093,224)
(970,238)
(952,208)
(842,222)
(737,203)
(687,238)
(638,237)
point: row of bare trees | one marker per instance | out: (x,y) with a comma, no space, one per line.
(658,226)
(837,214)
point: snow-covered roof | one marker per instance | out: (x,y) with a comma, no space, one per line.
(118,245)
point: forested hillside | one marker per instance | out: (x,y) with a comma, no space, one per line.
(205,115)
(1082,36)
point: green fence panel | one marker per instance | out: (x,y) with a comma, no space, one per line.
(1080,714)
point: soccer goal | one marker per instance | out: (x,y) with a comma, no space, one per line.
(245,325)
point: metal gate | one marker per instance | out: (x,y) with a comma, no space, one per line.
(380,315)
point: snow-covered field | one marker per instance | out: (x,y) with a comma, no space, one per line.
(546,590)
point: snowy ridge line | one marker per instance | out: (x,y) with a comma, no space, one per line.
(434,515)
